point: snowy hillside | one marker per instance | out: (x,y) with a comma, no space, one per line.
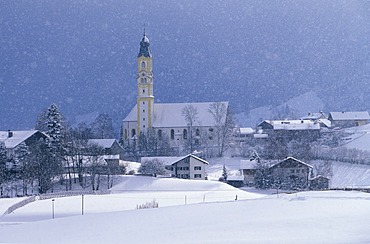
(133,190)
(307,217)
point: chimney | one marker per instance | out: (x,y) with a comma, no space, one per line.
(10,134)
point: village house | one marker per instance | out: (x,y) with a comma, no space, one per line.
(291,173)
(187,167)
(349,119)
(12,139)
(248,170)
(110,146)
(291,129)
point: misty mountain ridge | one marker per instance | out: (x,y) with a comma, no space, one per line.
(294,108)
(82,55)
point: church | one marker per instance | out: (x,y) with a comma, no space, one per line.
(179,123)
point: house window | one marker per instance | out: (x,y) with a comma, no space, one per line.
(143,65)
(185,176)
(210,137)
(159,134)
(133,132)
(172,134)
(197,132)
(197,176)
(210,129)
(197,168)
(185,134)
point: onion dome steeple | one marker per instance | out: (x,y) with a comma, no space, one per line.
(144,47)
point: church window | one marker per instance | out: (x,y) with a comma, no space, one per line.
(125,134)
(172,134)
(133,132)
(210,129)
(197,132)
(185,134)
(143,90)
(143,103)
(143,119)
(142,80)
(143,126)
(143,110)
(159,134)
(143,65)
(145,80)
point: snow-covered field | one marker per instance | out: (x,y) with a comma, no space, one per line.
(190,212)
(307,217)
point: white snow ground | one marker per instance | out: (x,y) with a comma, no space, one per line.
(307,217)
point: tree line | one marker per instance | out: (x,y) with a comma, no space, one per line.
(63,155)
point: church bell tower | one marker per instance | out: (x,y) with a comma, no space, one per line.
(145,96)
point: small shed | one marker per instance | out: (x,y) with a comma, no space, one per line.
(319,183)
(235,180)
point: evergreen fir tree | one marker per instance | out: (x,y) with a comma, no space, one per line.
(224,173)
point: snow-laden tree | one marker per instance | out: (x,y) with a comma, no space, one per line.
(152,167)
(57,137)
(41,124)
(54,124)
(224,125)
(3,170)
(102,127)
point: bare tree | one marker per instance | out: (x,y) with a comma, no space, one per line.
(102,127)
(190,114)
(224,125)
(153,167)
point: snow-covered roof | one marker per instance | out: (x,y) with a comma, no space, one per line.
(170,115)
(292,158)
(193,156)
(363,115)
(246,131)
(294,124)
(235,178)
(172,160)
(314,116)
(165,160)
(106,143)
(247,164)
(17,137)
(260,135)
(325,122)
